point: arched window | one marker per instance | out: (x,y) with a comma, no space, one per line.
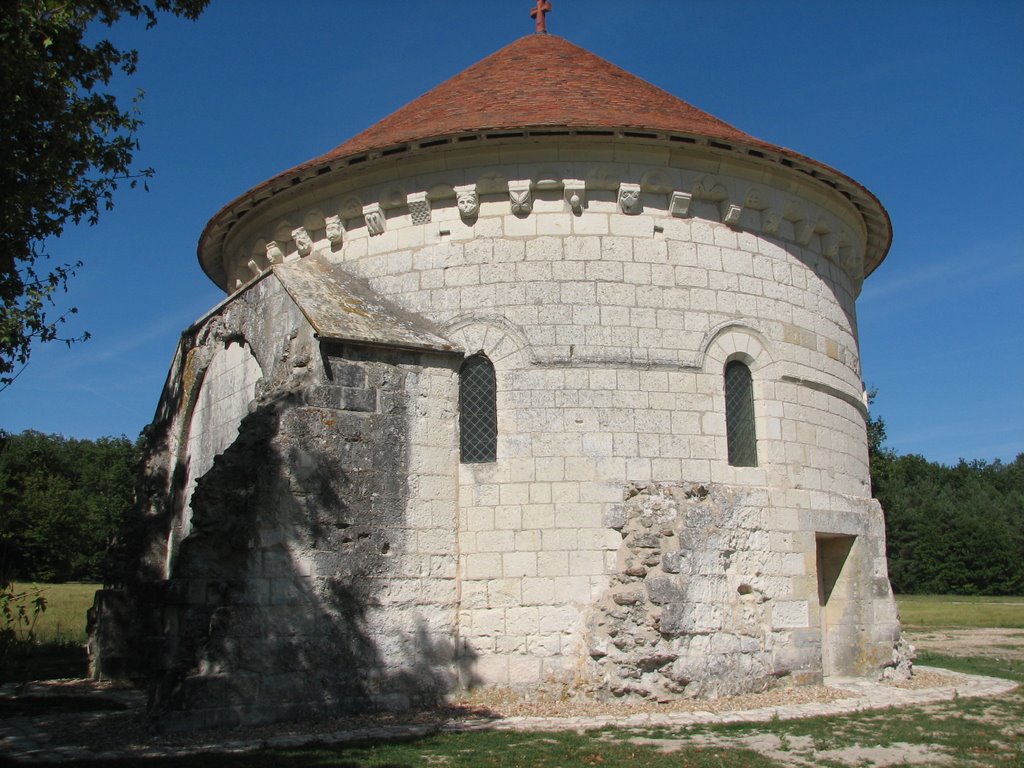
(478,412)
(739,415)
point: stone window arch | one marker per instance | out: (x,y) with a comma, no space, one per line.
(478,411)
(740,432)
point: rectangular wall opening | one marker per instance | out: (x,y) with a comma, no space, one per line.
(837,649)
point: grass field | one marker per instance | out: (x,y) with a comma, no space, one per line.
(59,648)
(63,621)
(958,611)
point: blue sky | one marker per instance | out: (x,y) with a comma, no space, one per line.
(922,101)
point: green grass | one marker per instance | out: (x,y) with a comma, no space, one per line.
(59,632)
(490,749)
(1008,669)
(63,621)
(958,611)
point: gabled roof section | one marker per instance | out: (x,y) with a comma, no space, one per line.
(342,307)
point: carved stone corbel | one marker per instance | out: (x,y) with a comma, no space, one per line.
(851,261)
(575,192)
(803,231)
(679,204)
(375,221)
(770,220)
(303,242)
(520,196)
(468,200)
(274,253)
(419,207)
(335,230)
(731,213)
(830,245)
(629,199)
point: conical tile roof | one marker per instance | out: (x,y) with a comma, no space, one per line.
(540,83)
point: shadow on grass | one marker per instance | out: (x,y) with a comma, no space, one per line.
(1008,669)
(547,750)
(26,662)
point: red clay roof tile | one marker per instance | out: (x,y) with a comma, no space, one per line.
(538,81)
(574,89)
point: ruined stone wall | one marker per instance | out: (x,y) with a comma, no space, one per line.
(714,595)
(318,571)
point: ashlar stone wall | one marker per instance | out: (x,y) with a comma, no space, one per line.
(609,324)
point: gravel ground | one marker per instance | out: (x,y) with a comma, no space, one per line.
(119,721)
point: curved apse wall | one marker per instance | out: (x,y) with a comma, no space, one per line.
(228,387)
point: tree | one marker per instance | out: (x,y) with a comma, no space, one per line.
(66,147)
(957,530)
(62,501)
(879,457)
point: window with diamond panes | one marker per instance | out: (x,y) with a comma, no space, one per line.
(739,415)
(478,412)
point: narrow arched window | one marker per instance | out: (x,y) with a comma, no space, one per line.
(478,412)
(739,415)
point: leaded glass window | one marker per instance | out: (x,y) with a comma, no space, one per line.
(739,415)
(478,413)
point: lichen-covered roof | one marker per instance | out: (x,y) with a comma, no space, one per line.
(343,307)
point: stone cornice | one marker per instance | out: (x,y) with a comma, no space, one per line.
(352,171)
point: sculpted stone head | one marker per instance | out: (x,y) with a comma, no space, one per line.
(303,242)
(629,198)
(468,201)
(334,230)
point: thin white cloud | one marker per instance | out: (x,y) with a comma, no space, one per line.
(958,273)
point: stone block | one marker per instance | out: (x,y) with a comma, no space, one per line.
(491,670)
(665,589)
(517,564)
(553,563)
(483,566)
(790,614)
(523,671)
(346,374)
(522,621)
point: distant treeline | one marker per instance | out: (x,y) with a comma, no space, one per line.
(951,530)
(62,501)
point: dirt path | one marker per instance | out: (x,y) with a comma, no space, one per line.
(797,751)
(988,643)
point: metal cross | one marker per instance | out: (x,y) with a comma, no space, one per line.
(540,14)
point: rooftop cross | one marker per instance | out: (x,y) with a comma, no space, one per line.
(540,14)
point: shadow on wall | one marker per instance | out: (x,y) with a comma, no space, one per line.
(292,595)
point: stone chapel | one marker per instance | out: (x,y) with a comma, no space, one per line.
(548,378)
